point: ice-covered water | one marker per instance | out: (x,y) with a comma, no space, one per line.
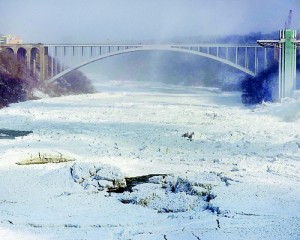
(247,160)
(147,87)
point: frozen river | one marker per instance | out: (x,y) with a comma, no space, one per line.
(246,160)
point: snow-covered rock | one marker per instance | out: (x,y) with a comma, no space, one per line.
(165,194)
(97,176)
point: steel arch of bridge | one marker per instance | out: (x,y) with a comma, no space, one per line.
(211,51)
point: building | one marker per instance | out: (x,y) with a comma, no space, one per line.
(10,39)
(2,40)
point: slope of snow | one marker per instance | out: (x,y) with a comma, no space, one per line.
(248,160)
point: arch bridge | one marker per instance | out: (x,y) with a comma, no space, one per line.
(68,57)
(56,60)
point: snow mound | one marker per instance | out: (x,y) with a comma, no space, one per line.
(288,109)
(289,112)
(166,194)
(39,94)
(97,177)
(291,147)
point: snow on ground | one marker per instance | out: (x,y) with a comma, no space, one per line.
(246,159)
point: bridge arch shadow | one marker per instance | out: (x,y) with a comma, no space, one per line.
(9,50)
(154,48)
(21,54)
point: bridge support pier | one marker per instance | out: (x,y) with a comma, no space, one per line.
(287,63)
(44,63)
(28,58)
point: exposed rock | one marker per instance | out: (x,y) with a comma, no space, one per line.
(46,158)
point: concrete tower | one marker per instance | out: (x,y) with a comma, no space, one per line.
(287,63)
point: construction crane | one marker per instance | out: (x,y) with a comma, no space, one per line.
(289,20)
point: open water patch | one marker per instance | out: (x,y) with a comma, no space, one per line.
(12,134)
(131,182)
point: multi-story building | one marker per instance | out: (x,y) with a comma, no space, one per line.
(2,40)
(10,39)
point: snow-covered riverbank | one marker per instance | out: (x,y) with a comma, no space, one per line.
(247,159)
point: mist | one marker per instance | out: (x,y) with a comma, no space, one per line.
(156,67)
(176,68)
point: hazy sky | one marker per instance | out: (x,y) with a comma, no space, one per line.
(92,21)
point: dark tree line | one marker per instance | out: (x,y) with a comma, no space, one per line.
(261,87)
(74,82)
(17,82)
